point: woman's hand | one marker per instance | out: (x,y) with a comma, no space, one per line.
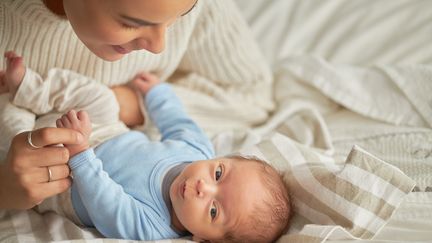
(32,174)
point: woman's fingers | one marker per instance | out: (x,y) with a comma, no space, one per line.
(42,174)
(59,172)
(52,188)
(40,192)
(25,174)
(46,156)
(26,156)
(50,136)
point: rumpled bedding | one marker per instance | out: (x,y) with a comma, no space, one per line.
(346,73)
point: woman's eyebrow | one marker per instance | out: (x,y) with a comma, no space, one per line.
(137,21)
(142,22)
(190,9)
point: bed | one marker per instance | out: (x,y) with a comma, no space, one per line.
(346,73)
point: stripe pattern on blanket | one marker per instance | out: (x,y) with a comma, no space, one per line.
(333,200)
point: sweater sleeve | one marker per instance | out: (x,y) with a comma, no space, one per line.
(109,207)
(168,114)
(224,62)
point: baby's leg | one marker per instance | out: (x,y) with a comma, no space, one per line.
(61,91)
(79,121)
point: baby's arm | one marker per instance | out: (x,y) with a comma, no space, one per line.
(110,208)
(167,112)
(108,205)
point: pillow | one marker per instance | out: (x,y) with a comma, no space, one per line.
(349,200)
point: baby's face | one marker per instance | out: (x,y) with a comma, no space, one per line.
(214,196)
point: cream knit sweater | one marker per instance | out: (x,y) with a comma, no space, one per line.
(210,56)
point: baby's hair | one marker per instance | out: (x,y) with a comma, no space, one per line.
(271,217)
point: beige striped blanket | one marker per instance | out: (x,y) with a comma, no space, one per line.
(332,199)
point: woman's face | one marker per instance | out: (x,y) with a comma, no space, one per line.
(113,28)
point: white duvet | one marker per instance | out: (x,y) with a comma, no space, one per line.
(366,66)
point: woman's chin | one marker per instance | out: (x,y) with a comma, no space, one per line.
(110,57)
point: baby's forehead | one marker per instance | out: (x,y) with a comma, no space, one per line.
(245,182)
(246,165)
(244,192)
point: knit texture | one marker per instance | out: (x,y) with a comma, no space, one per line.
(210,50)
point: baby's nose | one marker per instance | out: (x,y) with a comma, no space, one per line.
(204,188)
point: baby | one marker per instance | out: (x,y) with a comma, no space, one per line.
(131,187)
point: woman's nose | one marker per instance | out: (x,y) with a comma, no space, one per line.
(205,189)
(153,40)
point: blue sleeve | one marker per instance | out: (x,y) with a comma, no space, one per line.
(109,207)
(167,112)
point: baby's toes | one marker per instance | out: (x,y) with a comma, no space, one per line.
(10,54)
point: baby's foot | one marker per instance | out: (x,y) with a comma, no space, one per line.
(79,122)
(14,73)
(143,82)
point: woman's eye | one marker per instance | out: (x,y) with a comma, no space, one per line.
(213,211)
(218,172)
(129,27)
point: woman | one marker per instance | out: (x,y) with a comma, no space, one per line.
(202,46)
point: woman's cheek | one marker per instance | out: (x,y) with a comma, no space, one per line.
(110,32)
(115,36)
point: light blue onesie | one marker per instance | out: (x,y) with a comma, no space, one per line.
(117,187)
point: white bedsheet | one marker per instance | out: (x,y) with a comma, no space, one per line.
(375,37)
(343,31)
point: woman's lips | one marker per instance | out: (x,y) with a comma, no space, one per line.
(120,49)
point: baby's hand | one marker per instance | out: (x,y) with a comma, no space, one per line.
(79,122)
(11,78)
(143,82)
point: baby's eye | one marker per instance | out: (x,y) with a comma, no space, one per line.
(213,211)
(218,172)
